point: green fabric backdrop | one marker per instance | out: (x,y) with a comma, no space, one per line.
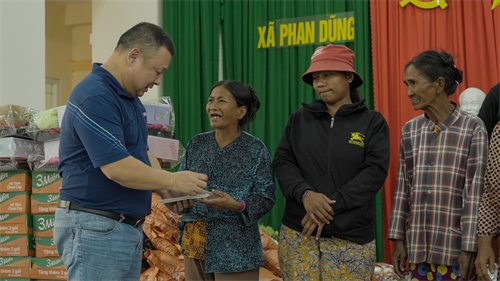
(274,73)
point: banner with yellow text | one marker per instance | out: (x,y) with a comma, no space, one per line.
(301,31)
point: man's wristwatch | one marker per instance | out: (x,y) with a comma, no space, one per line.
(304,195)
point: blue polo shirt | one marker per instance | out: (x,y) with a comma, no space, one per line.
(102,124)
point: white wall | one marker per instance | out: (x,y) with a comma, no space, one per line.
(111,18)
(22,53)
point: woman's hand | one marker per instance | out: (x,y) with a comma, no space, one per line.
(309,226)
(318,207)
(398,259)
(485,260)
(224,202)
(466,263)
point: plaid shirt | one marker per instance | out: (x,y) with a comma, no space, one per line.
(439,187)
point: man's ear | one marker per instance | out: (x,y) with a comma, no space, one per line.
(133,55)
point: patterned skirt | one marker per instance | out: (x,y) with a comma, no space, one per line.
(324,259)
(426,271)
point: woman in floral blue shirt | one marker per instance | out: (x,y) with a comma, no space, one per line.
(220,237)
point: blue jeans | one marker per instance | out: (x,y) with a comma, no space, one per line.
(94,247)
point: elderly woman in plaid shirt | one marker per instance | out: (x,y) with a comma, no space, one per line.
(442,161)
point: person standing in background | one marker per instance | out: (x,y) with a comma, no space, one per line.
(490,109)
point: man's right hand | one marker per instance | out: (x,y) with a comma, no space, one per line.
(399,259)
(318,207)
(188,183)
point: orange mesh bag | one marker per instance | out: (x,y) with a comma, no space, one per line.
(267,241)
(271,262)
(154,274)
(266,275)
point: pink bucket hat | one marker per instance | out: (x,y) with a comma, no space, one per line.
(332,58)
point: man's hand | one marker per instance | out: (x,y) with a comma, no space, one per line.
(466,263)
(224,202)
(318,207)
(178,206)
(309,226)
(485,259)
(188,183)
(398,259)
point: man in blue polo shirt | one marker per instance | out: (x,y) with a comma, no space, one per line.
(106,168)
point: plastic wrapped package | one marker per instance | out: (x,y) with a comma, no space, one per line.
(14,153)
(45,158)
(14,120)
(45,125)
(161,117)
(385,272)
(169,152)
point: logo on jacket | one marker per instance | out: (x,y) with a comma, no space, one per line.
(357,139)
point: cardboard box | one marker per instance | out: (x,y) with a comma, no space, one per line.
(45,247)
(15,181)
(16,224)
(43,225)
(15,267)
(15,202)
(45,268)
(46,182)
(17,245)
(44,203)
(164,148)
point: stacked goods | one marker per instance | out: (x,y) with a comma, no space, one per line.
(160,117)
(15,145)
(161,132)
(166,260)
(271,261)
(14,120)
(16,225)
(44,202)
(45,128)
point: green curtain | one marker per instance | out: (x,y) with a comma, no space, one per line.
(275,73)
(194,28)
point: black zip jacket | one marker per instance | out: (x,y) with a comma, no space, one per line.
(345,157)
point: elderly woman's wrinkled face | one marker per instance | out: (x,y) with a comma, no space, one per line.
(222,109)
(421,91)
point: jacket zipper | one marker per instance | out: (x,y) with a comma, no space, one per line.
(331,123)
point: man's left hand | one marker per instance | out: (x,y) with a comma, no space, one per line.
(466,263)
(178,206)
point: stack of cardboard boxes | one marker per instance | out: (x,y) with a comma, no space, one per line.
(28,201)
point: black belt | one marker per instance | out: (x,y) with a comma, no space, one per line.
(109,214)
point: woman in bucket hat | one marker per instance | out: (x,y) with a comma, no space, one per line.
(331,161)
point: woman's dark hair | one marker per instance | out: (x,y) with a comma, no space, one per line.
(244,96)
(434,65)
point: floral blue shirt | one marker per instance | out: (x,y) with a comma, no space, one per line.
(243,170)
